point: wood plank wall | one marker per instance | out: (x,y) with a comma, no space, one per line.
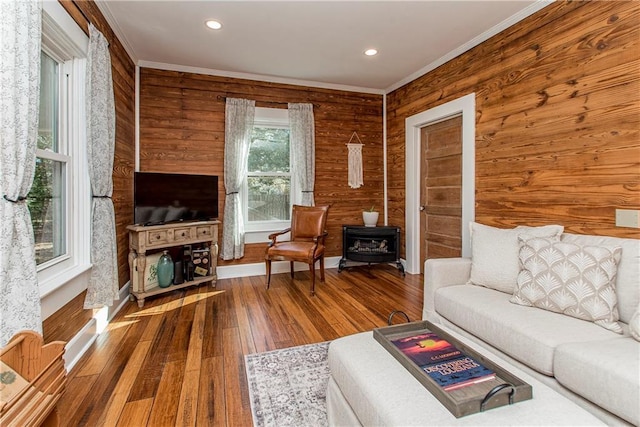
(557,118)
(182,130)
(65,323)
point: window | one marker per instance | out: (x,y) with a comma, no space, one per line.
(267,189)
(59,197)
(47,200)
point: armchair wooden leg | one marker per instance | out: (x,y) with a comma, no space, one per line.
(291,264)
(312,270)
(268,265)
(322,269)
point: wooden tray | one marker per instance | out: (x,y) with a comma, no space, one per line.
(466,400)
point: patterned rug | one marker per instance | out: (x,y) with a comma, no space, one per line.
(287,387)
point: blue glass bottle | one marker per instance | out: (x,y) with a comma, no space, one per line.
(165,270)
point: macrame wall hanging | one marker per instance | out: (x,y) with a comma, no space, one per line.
(355,161)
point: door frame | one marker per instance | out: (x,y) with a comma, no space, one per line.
(465,106)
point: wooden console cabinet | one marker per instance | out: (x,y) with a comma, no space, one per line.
(158,237)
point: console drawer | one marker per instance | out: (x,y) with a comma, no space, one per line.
(157,237)
(204,231)
(180,234)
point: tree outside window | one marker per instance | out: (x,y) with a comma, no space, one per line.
(269,175)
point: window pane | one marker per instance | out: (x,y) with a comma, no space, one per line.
(46,204)
(269,151)
(48,119)
(269,198)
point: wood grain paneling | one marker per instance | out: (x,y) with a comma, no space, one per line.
(182,130)
(557,120)
(64,324)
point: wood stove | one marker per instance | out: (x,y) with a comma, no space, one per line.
(371,245)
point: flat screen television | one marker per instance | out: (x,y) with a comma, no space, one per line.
(162,198)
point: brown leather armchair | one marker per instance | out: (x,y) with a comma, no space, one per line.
(306,244)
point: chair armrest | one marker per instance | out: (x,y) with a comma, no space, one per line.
(441,272)
(274,236)
(321,237)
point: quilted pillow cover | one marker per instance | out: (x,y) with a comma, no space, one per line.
(566,278)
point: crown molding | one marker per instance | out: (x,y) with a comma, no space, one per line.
(258,77)
(512,20)
(106,12)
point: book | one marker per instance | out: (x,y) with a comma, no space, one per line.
(427,348)
(442,361)
(457,373)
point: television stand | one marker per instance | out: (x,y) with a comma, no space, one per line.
(371,245)
(158,237)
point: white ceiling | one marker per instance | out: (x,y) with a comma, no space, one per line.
(319,43)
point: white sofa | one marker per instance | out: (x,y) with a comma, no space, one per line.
(593,366)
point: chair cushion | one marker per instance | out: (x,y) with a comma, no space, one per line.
(308,222)
(297,251)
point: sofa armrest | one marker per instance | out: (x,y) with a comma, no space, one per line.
(440,272)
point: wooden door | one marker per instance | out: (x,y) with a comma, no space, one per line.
(441,190)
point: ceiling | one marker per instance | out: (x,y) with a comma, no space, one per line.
(316,43)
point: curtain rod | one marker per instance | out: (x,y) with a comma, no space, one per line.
(224,98)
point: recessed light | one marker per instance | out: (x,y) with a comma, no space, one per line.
(214,25)
(370,52)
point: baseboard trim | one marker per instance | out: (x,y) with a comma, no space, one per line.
(259,269)
(82,341)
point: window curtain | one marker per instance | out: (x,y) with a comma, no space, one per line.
(303,144)
(239,115)
(19,94)
(103,284)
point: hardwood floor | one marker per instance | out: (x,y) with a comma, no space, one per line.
(180,359)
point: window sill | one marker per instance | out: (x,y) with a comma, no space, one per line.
(51,284)
(262,236)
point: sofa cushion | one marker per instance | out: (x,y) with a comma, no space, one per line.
(627,282)
(494,254)
(634,324)
(528,334)
(605,372)
(566,278)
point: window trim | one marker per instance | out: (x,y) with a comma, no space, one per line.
(64,40)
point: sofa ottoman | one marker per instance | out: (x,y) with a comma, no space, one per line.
(367,386)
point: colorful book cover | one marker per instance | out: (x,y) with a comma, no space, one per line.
(443,362)
(427,348)
(457,373)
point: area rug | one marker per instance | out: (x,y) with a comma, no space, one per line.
(287,387)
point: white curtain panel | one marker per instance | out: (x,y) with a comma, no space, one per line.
(238,126)
(101,130)
(303,143)
(19,94)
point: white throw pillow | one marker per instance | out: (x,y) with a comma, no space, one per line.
(570,279)
(634,324)
(494,254)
